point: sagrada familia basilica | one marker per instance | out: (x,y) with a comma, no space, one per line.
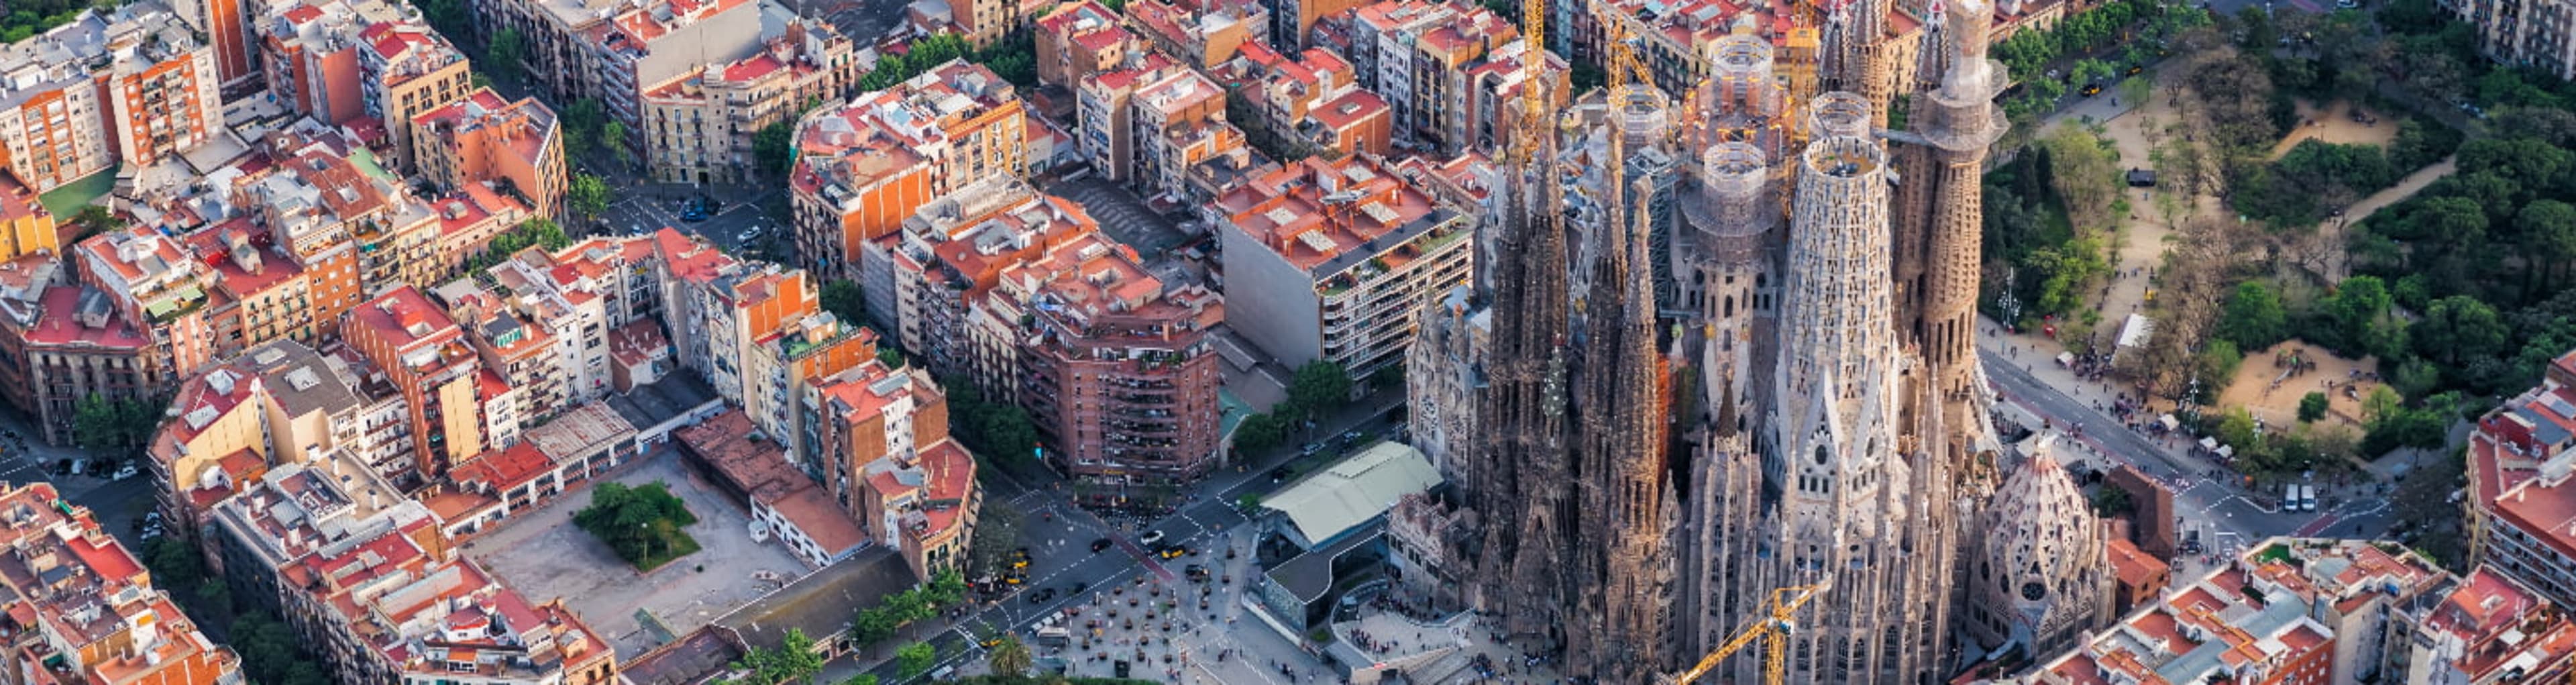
(1641,464)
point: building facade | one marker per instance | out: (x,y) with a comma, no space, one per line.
(1327,259)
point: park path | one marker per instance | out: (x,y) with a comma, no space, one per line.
(2339,264)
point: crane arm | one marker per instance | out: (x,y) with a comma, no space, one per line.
(1784,604)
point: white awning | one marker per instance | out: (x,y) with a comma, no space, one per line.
(2137,330)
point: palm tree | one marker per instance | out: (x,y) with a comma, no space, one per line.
(1009,658)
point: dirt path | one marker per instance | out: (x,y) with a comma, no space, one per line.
(2340,266)
(2138,246)
(2334,124)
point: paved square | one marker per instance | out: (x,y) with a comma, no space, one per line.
(544,556)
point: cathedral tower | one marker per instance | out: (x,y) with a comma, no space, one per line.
(1830,484)
(1958,121)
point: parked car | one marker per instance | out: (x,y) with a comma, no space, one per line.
(126,471)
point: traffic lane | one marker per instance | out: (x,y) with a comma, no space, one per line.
(2102,430)
(1255,478)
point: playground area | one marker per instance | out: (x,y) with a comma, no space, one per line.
(2271,381)
(2340,121)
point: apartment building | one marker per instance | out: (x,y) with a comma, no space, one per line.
(1076,40)
(1422,57)
(864,168)
(2292,611)
(1104,113)
(515,147)
(402,248)
(83,609)
(134,85)
(341,60)
(152,280)
(702,123)
(892,465)
(422,351)
(1149,123)
(2488,630)
(575,315)
(1115,365)
(921,281)
(805,350)
(467,220)
(1314,98)
(615,50)
(313,201)
(26,227)
(1329,259)
(2519,500)
(520,347)
(2520,33)
(61,345)
(297,509)
(228,25)
(326,407)
(217,440)
(390,612)
(1200,33)
(259,295)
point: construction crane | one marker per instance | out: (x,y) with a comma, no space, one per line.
(1773,629)
(1534,107)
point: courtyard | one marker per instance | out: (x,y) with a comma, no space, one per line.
(544,556)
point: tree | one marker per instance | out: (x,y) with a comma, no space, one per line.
(2458,329)
(1009,658)
(2359,311)
(997,535)
(1317,386)
(587,195)
(581,123)
(506,56)
(773,149)
(612,135)
(2380,405)
(2110,501)
(874,625)
(642,524)
(100,425)
(2549,225)
(2236,428)
(2253,317)
(842,297)
(1260,432)
(2218,361)
(913,660)
(96,219)
(793,660)
(2313,406)
(2086,175)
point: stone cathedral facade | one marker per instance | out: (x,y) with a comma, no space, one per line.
(1728,347)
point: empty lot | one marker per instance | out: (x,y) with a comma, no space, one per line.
(544,556)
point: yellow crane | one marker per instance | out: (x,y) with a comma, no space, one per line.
(1775,627)
(1534,107)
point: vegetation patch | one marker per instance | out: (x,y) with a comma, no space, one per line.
(642,524)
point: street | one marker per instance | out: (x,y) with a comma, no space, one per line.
(2224,514)
(1059,536)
